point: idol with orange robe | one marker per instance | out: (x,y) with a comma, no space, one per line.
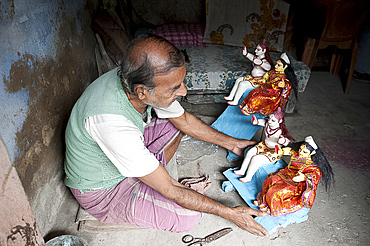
(273,91)
(294,187)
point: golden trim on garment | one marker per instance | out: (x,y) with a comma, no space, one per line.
(266,151)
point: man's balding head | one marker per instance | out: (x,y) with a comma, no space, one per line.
(145,57)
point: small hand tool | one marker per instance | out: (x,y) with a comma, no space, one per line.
(206,240)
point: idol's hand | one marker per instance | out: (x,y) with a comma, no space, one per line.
(254,120)
(283,140)
(299,178)
(281,84)
(245,52)
(278,150)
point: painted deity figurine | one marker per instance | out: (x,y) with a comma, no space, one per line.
(276,134)
(274,89)
(294,187)
(262,63)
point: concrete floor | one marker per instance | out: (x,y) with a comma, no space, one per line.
(340,126)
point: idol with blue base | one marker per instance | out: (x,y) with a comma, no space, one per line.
(273,91)
(290,189)
(276,135)
(262,63)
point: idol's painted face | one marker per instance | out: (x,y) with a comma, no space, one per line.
(279,67)
(304,152)
(273,121)
(167,88)
(259,51)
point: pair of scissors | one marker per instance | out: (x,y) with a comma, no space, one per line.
(206,240)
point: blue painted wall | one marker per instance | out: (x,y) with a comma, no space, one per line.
(47,60)
(27,27)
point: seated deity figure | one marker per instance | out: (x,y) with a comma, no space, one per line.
(262,63)
(294,187)
(264,152)
(273,91)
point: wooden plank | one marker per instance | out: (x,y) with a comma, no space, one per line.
(110,64)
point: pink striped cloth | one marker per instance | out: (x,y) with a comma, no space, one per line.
(133,202)
(187,34)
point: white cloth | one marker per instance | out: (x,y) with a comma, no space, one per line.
(173,111)
(122,141)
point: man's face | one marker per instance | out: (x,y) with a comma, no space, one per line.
(168,88)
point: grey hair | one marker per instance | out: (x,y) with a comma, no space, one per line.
(145,57)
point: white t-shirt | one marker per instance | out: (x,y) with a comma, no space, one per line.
(123,142)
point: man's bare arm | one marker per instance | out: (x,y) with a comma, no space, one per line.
(192,126)
(161,181)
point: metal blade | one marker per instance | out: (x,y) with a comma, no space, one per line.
(216,235)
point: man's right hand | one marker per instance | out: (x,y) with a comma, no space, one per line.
(241,216)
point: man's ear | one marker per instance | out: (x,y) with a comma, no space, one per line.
(141,91)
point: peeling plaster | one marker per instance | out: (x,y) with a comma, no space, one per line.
(29,158)
(34,26)
(46,61)
(49,130)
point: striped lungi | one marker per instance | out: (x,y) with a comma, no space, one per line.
(132,201)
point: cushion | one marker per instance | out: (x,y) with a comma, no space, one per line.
(186,34)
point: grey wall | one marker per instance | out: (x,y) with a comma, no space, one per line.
(47,60)
(158,12)
(363,55)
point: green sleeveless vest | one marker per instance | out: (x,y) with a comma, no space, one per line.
(86,166)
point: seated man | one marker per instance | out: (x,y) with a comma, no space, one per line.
(116,152)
